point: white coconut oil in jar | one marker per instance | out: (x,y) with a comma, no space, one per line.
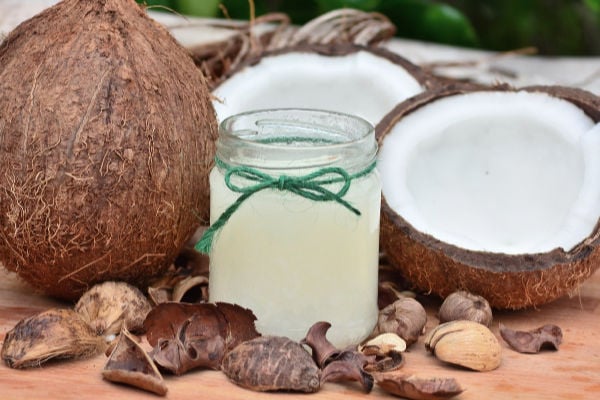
(302,244)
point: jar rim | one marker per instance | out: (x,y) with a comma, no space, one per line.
(296,138)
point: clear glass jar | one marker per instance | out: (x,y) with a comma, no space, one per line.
(295,260)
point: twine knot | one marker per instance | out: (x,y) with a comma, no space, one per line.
(282,182)
(314,186)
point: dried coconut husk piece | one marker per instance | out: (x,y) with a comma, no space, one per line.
(274,31)
(272,363)
(51,334)
(129,364)
(507,281)
(188,336)
(110,306)
(418,388)
(547,336)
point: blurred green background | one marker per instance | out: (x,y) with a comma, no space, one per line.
(554,27)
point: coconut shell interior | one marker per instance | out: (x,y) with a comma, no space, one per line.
(364,81)
(507,281)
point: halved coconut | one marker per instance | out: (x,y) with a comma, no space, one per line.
(494,191)
(367,82)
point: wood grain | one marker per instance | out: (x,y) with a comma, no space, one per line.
(573,372)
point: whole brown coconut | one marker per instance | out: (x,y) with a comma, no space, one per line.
(508,281)
(106,137)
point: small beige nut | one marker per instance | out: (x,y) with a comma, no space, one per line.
(465,343)
(465,305)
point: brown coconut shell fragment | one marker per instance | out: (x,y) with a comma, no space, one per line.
(507,281)
(322,349)
(107,133)
(533,341)
(418,388)
(272,363)
(349,366)
(189,336)
(129,364)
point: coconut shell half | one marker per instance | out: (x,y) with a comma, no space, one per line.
(106,139)
(508,278)
(347,78)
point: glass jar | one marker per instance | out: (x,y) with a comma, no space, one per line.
(303,245)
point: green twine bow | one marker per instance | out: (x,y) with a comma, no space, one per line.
(311,186)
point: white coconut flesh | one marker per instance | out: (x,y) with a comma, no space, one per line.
(503,172)
(358,83)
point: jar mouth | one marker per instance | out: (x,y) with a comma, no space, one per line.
(296,138)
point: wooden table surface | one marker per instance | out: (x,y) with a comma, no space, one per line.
(573,372)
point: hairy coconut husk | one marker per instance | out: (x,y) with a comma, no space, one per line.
(106,139)
(506,281)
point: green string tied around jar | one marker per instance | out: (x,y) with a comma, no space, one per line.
(311,186)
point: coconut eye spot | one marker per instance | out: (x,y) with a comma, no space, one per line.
(500,172)
(358,83)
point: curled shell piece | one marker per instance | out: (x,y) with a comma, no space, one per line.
(347,366)
(193,289)
(547,336)
(382,344)
(322,349)
(187,336)
(387,350)
(129,364)
(465,343)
